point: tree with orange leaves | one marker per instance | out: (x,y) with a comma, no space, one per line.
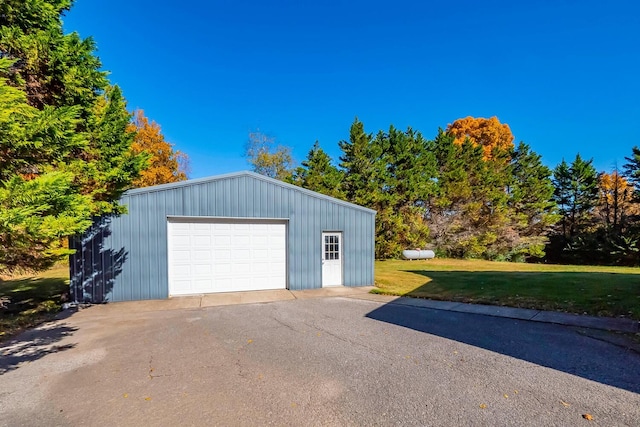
(615,204)
(489,133)
(165,164)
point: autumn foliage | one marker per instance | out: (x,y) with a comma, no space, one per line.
(165,164)
(615,204)
(489,133)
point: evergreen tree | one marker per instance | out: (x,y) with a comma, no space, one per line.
(364,179)
(53,68)
(531,198)
(469,216)
(631,170)
(361,163)
(410,172)
(576,194)
(38,204)
(65,151)
(318,174)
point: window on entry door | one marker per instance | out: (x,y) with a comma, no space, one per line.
(332,247)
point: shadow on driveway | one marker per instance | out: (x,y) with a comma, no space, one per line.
(553,346)
(33,345)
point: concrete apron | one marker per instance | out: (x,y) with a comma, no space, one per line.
(230,298)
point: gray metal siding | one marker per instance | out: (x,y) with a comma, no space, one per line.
(125,258)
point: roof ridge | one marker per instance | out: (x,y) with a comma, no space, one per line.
(245,173)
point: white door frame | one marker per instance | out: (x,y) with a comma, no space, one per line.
(332,256)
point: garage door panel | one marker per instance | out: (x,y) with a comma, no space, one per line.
(260,229)
(277,268)
(182,240)
(179,227)
(202,241)
(222,269)
(184,285)
(202,269)
(241,268)
(277,256)
(223,257)
(183,270)
(261,240)
(200,255)
(238,254)
(242,241)
(260,254)
(222,241)
(201,285)
(182,255)
(261,268)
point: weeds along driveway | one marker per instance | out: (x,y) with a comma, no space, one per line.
(324,361)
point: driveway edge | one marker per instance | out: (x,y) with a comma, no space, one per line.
(568,319)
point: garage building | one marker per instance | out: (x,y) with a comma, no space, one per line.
(234,232)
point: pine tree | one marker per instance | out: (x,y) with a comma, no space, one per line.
(318,174)
(65,151)
(531,198)
(470,215)
(410,173)
(38,204)
(364,180)
(361,163)
(631,170)
(576,193)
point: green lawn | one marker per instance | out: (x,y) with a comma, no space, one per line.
(30,300)
(597,291)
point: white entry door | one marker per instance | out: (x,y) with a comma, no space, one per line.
(332,259)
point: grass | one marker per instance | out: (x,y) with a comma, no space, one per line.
(596,291)
(31,300)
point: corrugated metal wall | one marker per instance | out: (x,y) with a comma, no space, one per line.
(125,258)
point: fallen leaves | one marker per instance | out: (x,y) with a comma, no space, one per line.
(587,417)
(565,404)
(483,406)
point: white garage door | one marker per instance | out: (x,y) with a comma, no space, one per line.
(225,255)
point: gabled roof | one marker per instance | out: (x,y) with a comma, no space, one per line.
(253,175)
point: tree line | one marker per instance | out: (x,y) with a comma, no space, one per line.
(68,146)
(470,192)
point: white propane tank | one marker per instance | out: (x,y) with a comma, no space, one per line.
(418,254)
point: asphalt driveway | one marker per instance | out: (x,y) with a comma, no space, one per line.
(322,361)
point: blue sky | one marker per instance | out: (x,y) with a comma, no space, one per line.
(563,74)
